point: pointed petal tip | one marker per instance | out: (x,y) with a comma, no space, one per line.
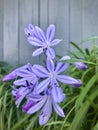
(77,84)
(4,79)
(42,122)
(8,77)
(50,53)
(37,52)
(42,86)
(81,65)
(63,115)
(65,58)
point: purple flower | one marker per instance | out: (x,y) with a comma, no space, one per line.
(36,37)
(23,75)
(45,103)
(30,31)
(32,99)
(52,75)
(81,65)
(13,75)
(27,77)
(21,93)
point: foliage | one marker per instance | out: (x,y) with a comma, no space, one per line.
(80,106)
(11,118)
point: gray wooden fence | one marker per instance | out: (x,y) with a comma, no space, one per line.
(74,20)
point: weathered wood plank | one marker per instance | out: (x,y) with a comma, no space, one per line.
(43,21)
(11,31)
(43,14)
(90,20)
(28,13)
(75,22)
(1,29)
(59,15)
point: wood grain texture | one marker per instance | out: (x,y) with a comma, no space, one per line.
(59,15)
(11,31)
(90,20)
(28,13)
(75,22)
(43,23)
(43,13)
(1,28)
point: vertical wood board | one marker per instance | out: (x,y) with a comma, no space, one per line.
(10,31)
(59,15)
(28,14)
(1,29)
(75,22)
(90,20)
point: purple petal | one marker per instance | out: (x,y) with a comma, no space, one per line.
(37,106)
(40,33)
(28,105)
(65,58)
(24,67)
(24,73)
(58,109)
(57,94)
(40,71)
(30,31)
(42,86)
(13,74)
(61,67)
(31,27)
(50,32)
(35,41)
(10,76)
(19,100)
(35,98)
(23,81)
(50,64)
(20,94)
(30,67)
(69,80)
(50,53)
(55,42)
(26,31)
(81,65)
(46,112)
(37,52)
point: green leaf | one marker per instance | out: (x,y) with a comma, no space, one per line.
(54,123)
(87,51)
(1,120)
(65,120)
(79,60)
(85,91)
(77,47)
(32,122)
(9,118)
(20,123)
(81,113)
(88,39)
(96,126)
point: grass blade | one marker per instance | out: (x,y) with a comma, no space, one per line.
(77,47)
(76,124)
(85,91)
(96,126)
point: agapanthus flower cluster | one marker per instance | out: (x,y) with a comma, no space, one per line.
(40,85)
